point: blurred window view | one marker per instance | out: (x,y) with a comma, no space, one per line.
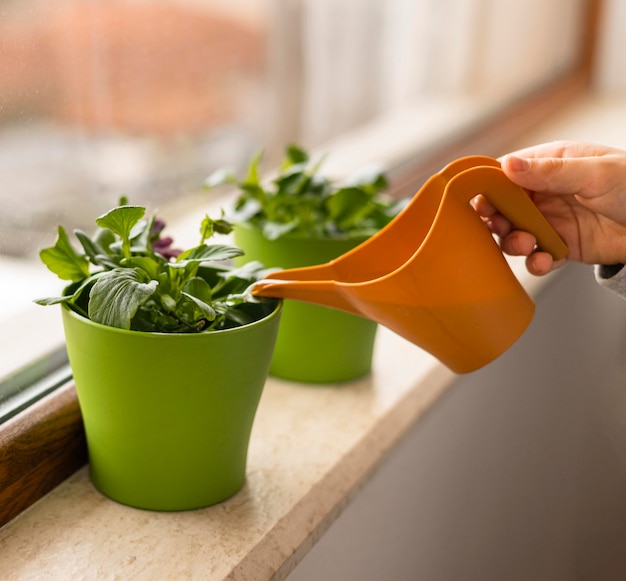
(110,97)
(144,98)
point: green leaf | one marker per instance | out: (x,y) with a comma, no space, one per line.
(121,220)
(222,226)
(200,293)
(168,303)
(77,289)
(209,226)
(294,154)
(53,300)
(293,182)
(207,310)
(103,238)
(116,296)
(63,260)
(206,252)
(151,266)
(108,261)
(199,288)
(139,236)
(239,317)
(250,271)
(89,246)
(97,249)
(346,206)
(252,177)
(253,192)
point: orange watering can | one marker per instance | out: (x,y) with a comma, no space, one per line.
(434,274)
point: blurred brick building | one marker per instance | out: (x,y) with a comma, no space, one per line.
(147,67)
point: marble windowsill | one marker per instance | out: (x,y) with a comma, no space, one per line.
(311,450)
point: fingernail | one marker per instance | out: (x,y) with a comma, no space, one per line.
(518,163)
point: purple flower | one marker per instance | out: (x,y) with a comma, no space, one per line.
(162,245)
(157,227)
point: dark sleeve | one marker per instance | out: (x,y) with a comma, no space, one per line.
(613,277)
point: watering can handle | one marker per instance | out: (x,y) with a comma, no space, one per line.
(510,200)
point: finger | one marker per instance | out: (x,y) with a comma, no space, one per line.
(495,221)
(499,225)
(539,263)
(584,176)
(565,149)
(518,243)
(483,206)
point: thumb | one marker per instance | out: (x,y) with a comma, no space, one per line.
(549,174)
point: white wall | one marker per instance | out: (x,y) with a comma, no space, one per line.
(519,473)
(610,66)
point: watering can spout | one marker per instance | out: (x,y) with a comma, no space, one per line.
(434,274)
(325,292)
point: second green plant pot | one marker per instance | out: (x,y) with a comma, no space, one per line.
(315,344)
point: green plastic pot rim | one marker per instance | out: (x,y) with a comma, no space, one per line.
(232,331)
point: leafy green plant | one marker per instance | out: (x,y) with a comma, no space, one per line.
(127,275)
(302,201)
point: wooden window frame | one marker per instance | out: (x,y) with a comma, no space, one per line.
(39,448)
(45,443)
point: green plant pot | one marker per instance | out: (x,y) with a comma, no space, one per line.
(168,416)
(315,344)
